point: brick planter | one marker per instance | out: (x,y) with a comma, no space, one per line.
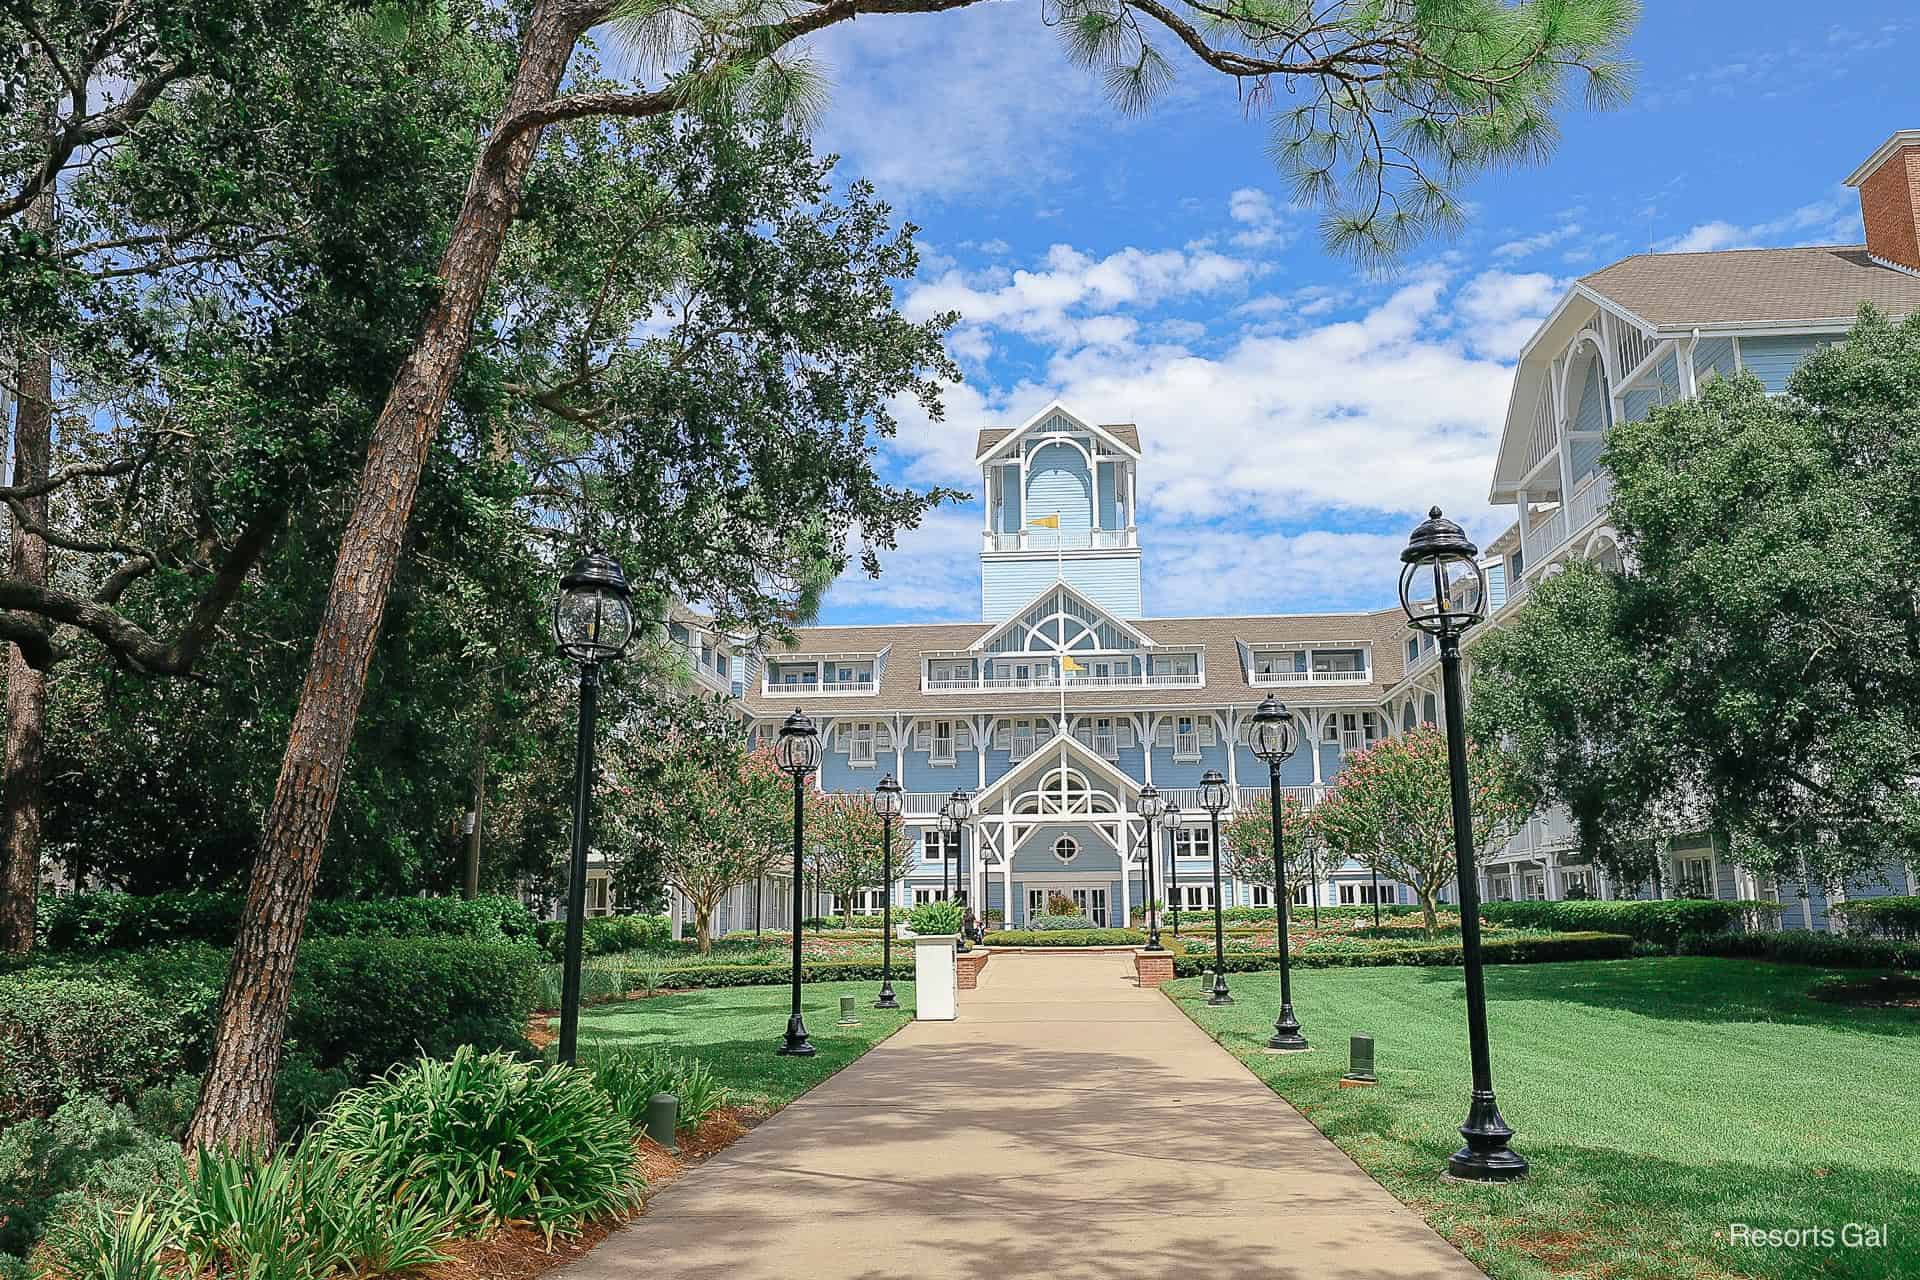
(1153,967)
(967,968)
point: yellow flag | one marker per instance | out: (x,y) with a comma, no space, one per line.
(1047,522)
(1068,664)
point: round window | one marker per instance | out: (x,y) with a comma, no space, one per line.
(1066,848)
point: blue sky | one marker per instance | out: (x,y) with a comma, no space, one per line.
(1296,416)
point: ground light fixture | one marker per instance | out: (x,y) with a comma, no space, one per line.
(1274,735)
(888,804)
(1172,820)
(1213,798)
(1444,592)
(959,809)
(1152,805)
(797,751)
(592,624)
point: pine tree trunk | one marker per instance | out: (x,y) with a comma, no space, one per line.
(470,882)
(23,788)
(236,1100)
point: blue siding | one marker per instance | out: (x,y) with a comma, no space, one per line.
(1496,585)
(1638,404)
(1035,853)
(1057,481)
(1772,360)
(1713,355)
(1297,772)
(918,775)
(1591,415)
(1168,772)
(1583,457)
(837,775)
(1112,582)
(1109,496)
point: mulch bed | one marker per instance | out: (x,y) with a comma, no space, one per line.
(517,1253)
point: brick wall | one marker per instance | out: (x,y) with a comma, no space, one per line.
(1890,207)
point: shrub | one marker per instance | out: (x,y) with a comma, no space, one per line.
(606,935)
(1897,917)
(100,1243)
(1801,946)
(62,1036)
(1069,920)
(299,1215)
(1662,922)
(935,917)
(1531,950)
(1084,937)
(1059,904)
(485,1139)
(361,1004)
(89,1148)
(119,921)
(632,1076)
(761,975)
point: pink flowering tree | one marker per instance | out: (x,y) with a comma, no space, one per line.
(1249,840)
(843,847)
(1391,809)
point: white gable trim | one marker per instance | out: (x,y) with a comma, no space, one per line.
(1061,584)
(1125,788)
(1056,408)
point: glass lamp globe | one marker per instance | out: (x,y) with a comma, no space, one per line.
(1274,733)
(593,614)
(1213,792)
(886,798)
(1442,587)
(798,749)
(1150,804)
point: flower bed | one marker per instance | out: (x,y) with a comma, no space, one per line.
(1065,938)
(1523,950)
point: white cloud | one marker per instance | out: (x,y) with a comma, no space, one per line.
(1528,245)
(1501,310)
(1834,220)
(1261,226)
(1204,570)
(934,573)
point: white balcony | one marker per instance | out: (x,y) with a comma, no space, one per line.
(1062,540)
(1052,680)
(820,688)
(1312,677)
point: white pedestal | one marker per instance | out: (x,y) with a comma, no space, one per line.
(933,977)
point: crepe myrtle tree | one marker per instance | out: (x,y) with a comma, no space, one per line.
(1249,838)
(843,847)
(715,816)
(1394,106)
(1391,810)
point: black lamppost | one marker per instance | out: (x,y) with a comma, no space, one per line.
(592,624)
(886,803)
(1151,807)
(1275,736)
(1213,798)
(1173,863)
(958,809)
(1440,549)
(798,753)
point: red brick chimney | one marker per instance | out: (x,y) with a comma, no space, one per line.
(1889,185)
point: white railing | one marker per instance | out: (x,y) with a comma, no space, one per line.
(1313,677)
(919,803)
(1589,502)
(772,689)
(1061,540)
(1548,534)
(1256,797)
(1051,680)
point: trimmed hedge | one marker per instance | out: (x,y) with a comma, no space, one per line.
(64,1036)
(1565,946)
(93,922)
(1663,922)
(607,935)
(1895,917)
(1799,946)
(1301,911)
(769,975)
(360,1003)
(1064,938)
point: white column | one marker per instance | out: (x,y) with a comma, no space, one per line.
(1526,546)
(1553,877)
(1315,722)
(1121,841)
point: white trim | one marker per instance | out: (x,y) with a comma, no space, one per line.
(1053,407)
(1900,141)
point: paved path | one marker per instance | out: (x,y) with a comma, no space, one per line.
(1068,1126)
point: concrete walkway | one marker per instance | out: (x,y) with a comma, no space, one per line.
(1069,1125)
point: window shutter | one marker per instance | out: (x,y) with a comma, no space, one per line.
(962,736)
(1206,731)
(883,738)
(1163,734)
(1003,736)
(1123,734)
(923,737)
(1084,735)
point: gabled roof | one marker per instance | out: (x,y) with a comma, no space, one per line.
(1731,288)
(1060,584)
(1123,436)
(1049,755)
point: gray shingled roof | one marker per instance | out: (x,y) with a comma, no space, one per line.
(1754,286)
(1226,680)
(1125,432)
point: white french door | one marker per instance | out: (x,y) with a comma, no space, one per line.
(1093,904)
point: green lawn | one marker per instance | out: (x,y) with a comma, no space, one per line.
(735,1031)
(1659,1101)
